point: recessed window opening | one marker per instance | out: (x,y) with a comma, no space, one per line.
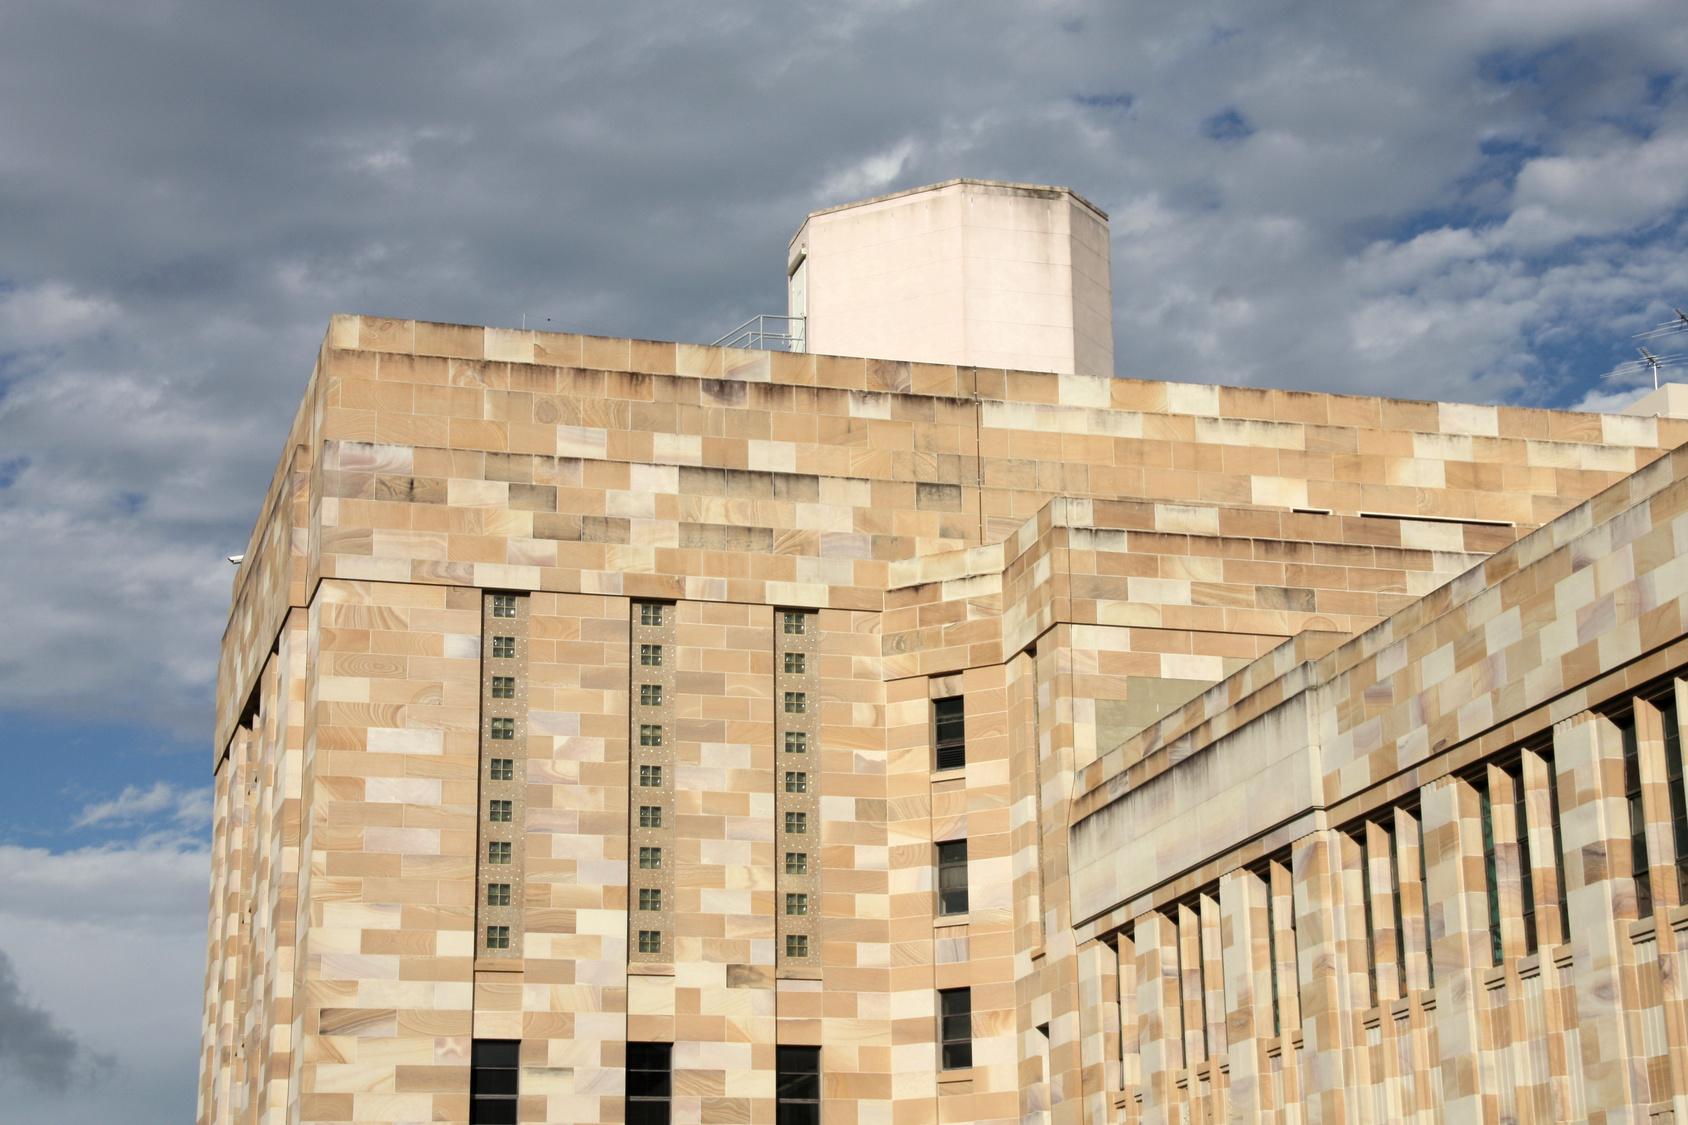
(650,695)
(1491,875)
(504,729)
(650,776)
(494,1081)
(955,1027)
(796,904)
(650,656)
(797,823)
(796,863)
(1526,875)
(796,663)
(498,852)
(794,623)
(1371,925)
(796,742)
(498,937)
(500,811)
(952,877)
(796,782)
(504,605)
(504,687)
(949,723)
(1678,799)
(650,941)
(650,898)
(501,769)
(798,1085)
(650,1078)
(504,648)
(498,894)
(796,945)
(650,859)
(1639,859)
(650,613)
(650,816)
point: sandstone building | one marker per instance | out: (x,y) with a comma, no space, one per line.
(621,731)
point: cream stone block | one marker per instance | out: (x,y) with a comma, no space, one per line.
(464,493)
(402,790)
(509,345)
(1419,535)
(582,441)
(677,449)
(1468,418)
(1192,398)
(1161,591)
(360,915)
(1187,518)
(1452,445)
(1281,492)
(342,689)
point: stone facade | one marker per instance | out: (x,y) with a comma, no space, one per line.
(1304,740)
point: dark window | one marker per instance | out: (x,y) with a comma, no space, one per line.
(650,859)
(493,1081)
(799,1085)
(650,613)
(650,816)
(796,945)
(650,941)
(1558,844)
(796,663)
(950,732)
(504,648)
(1491,876)
(650,777)
(504,605)
(955,1027)
(650,1081)
(500,811)
(797,823)
(504,729)
(796,782)
(650,656)
(1678,804)
(796,742)
(1637,820)
(952,877)
(650,898)
(650,695)
(501,769)
(498,894)
(794,622)
(1371,923)
(797,904)
(796,863)
(1526,877)
(796,703)
(650,734)
(498,851)
(504,687)
(498,937)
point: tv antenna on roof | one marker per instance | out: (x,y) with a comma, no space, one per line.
(1655,363)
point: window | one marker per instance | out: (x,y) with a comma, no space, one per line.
(650,941)
(796,702)
(504,729)
(498,852)
(650,859)
(498,937)
(796,904)
(794,622)
(650,695)
(798,1088)
(1637,821)
(796,863)
(501,769)
(796,663)
(498,894)
(650,613)
(650,816)
(796,782)
(950,732)
(650,734)
(796,742)
(650,776)
(1678,804)
(797,823)
(1527,877)
(796,945)
(650,898)
(504,648)
(504,605)
(955,1027)
(952,877)
(650,1079)
(493,1081)
(504,687)
(499,811)
(650,656)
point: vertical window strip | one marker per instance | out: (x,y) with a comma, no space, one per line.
(1558,843)
(505,633)
(1639,860)
(1491,871)
(798,781)
(652,667)
(1370,926)
(1526,873)
(1674,781)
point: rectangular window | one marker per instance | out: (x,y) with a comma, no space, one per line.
(495,1069)
(504,648)
(796,742)
(796,663)
(500,811)
(796,863)
(796,782)
(498,937)
(949,727)
(650,1078)
(1491,874)
(796,702)
(650,816)
(650,656)
(650,776)
(504,605)
(498,852)
(501,769)
(796,945)
(498,894)
(955,1027)
(798,1087)
(650,695)
(650,734)
(1526,877)
(797,823)
(1637,820)
(650,859)
(794,623)
(650,613)
(952,877)
(504,729)
(1678,800)
(650,941)
(650,898)
(504,687)
(796,904)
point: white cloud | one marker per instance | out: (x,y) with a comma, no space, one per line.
(188,808)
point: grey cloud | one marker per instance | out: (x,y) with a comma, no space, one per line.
(34,1050)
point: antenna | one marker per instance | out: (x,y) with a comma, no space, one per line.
(1654,362)
(1649,360)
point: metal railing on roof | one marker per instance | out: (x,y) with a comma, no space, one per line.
(762,332)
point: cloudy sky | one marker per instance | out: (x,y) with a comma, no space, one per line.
(1477,201)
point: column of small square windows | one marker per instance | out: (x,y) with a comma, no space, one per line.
(796,781)
(500,729)
(650,775)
